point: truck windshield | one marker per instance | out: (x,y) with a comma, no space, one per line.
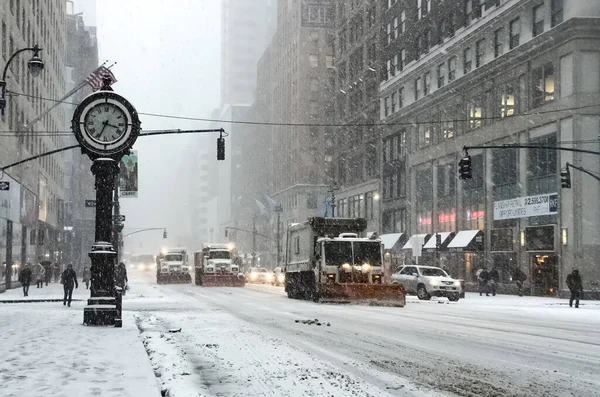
(338,252)
(367,252)
(173,258)
(219,255)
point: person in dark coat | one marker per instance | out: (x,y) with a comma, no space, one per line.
(494,280)
(69,279)
(25,279)
(576,286)
(47,271)
(519,277)
(484,278)
(86,277)
(121,276)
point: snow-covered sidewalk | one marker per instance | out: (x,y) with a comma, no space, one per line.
(52,291)
(47,351)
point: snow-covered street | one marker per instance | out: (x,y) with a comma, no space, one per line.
(248,342)
(254,341)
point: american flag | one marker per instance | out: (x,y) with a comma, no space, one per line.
(95,78)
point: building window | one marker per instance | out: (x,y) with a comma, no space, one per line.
(467,60)
(538,20)
(543,85)
(394,102)
(426,83)
(451,69)
(448,129)
(479,52)
(420,12)
(515,32)
(389,33)
(475,113)
(556,8)
(401,97)
(507,101)
(424,134)
(418,85)
(389,70)
(441,75)
(395,31)
(402,60)
(403,21)
(498,45)
(472,10)
(395,64)
(387,107)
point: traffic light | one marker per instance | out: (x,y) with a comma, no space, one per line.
(165,233)
(464,168)
(225,232)
(565,178)
(220,148)
(438,240)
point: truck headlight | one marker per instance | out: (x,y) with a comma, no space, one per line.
(366,267)
(269,277)
(281,278)
(346,267)
(253,276)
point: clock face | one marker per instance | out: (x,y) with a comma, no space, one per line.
(106,122)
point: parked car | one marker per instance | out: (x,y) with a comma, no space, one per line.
(259,275)
(428,281)
(278,277)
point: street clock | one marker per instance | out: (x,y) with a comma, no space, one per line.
(105,125)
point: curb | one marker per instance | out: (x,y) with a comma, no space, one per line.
(38,300)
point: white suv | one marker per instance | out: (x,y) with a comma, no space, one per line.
(427,281)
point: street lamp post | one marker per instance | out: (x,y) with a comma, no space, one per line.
(35,66)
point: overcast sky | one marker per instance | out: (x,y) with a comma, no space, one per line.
(168,62)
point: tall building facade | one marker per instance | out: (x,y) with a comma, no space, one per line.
(32,211)
(82,59)
(358,54)
(480,73)
(246,30)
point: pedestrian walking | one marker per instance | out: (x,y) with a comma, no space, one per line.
(40,275)
(121,276)
(519,277)
(56,272)
(69,279)
(25,279)
(47,271)
(86,277)
(484,277)
(494,280)
(575,286)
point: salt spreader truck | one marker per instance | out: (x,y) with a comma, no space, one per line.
(173,267)
(328,261)
(217,265)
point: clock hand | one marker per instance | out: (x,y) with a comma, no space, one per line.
(104,124)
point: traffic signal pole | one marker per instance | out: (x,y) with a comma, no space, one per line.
(569,165)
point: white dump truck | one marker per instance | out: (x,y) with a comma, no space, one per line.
(174,267)
(218,265)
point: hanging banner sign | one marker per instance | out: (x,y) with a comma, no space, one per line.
(128,176)
(524,207)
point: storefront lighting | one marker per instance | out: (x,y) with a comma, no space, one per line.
(564,236)
(376,196)
(522,239)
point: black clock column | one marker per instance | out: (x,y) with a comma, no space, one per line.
(103,306)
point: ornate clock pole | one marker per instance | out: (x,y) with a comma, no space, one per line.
(106,126)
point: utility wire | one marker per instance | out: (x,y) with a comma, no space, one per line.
(383,124)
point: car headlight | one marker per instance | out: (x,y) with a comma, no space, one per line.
(346,266)
(366,267)
(269,277)
(253,276)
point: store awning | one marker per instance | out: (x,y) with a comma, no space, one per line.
(467,240)
(445,238)
(393,241)
(415,237)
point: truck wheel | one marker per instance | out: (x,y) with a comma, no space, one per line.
(422,293)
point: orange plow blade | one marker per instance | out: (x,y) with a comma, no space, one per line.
(371,294)
(222,281)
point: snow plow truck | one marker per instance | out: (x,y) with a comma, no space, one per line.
(173,267)
(327,261)
(217,265)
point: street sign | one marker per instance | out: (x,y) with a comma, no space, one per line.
(120,218)
(90,203)
(4,185)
